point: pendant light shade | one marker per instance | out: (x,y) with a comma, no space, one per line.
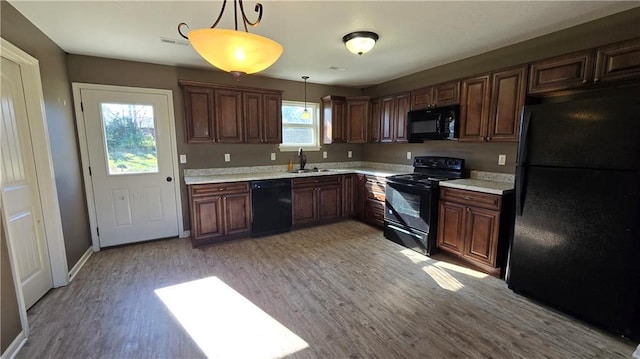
(306,115)
(233,51)
(360,42)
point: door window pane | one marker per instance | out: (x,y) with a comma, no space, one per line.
(130,138)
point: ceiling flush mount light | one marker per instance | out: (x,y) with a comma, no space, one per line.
(233,51)
(305,114)
(360,42)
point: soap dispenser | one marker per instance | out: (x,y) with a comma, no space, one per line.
(290,166)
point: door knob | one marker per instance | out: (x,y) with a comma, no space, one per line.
(169,179)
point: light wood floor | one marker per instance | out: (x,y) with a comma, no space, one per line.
(342,290)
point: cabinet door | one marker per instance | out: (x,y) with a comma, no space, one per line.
(334,112)
(349,195)
(237,213)
(474,108)
(228,116)
(375,121)
(619,61)
(446,94)
(561,73)
(507,99)
(401,107)
(207,219)
(304,205)
(386,119)
(360,198)
(422,98)
(272,119)
(199,114)
(357,117)
(329,204)
(481,235)
(252,113)
(451,227)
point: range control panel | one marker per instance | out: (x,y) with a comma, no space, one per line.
(435,162)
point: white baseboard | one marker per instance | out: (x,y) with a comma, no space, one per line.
(15,346)
(76,268)
(186,234)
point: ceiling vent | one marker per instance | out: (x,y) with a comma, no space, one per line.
(166,40)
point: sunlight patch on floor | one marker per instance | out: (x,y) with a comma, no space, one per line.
(442,278)
(225,324)
(414,256)
(462,270)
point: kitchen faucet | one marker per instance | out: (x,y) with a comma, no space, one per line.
(303,158)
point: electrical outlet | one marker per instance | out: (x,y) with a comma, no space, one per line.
(227,157)
(183,158)
(350,154)
(502,160)
(273,156)
(408,155)
(324,154)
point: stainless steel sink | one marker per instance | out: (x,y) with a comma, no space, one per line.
(308,170)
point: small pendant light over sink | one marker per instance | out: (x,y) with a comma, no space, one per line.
(233,51)
(360,42)
(306,115)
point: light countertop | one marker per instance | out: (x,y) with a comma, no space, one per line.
(255,176)
(479,185)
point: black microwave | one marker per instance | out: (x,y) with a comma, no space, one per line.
(438,123)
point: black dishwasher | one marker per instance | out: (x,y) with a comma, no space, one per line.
(270,206)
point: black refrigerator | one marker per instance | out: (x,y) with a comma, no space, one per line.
(576,241)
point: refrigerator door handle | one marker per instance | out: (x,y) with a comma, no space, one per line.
(521,169)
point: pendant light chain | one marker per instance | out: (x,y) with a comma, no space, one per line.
(305,114)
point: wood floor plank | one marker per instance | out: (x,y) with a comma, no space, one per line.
(343,289)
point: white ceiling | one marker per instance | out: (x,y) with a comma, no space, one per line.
(414,35)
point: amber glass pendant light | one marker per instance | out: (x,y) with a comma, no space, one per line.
(234,51)
(306,115)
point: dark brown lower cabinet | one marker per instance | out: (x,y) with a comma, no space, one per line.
(316,200)
(219,212)
(373,200)
(474,226)
(349,195)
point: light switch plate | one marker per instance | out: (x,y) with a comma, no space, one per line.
(183,158)
(273,156)
(227,157)
(502,160)
(350,154)
(324,154)
(408,155)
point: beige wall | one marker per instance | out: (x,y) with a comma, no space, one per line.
(10,325)
(61,125)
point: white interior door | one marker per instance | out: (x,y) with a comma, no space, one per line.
(132,169)
(22,206)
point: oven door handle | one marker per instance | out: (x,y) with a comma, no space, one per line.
(407,185)
(395,228)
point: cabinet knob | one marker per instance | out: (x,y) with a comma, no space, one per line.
(585,81)
(468,209)
(596,80)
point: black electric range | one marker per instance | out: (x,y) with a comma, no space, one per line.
(411,205)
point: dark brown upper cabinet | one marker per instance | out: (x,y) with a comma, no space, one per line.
(435,96)
(231,114)
(491,105)
(617,63)
(389,115)
(344,119)
(262,117)
(199,114)
(333,114)
(357,119)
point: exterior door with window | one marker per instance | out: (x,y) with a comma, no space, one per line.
(131,165)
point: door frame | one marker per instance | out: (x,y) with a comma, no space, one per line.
(34,101)
(84,149)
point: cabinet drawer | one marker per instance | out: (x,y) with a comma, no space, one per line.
(471,198)
(219,188)
(315,181)
(374,212)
